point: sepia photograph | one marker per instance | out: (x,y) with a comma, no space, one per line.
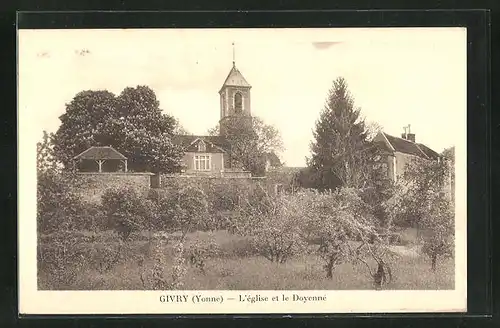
(242,170)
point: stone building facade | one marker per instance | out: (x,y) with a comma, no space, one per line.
(399,151)
(210,155)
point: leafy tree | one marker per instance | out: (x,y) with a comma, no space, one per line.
(180,129)
(439,220)
(132,122)
(58,206)
(61,259)
(127,211)
(272,224)
(82,123)
(336,222)
(420,199)
(307,178)
(372,129)
(182,209)
(45,154)
(249,140)
(415,190)
(449,153)
(341,154)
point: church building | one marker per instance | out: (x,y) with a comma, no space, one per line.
(210,155)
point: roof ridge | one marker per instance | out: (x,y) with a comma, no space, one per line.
(417,145)
(101,147)
(83,152)
(390,135)
(387,140)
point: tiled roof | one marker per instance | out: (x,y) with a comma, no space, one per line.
(405,146)
(94,153)
(382,146)
(235,78)
(429,152)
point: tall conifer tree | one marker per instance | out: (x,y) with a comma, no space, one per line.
(340,148)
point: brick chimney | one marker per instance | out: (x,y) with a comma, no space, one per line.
(407,135)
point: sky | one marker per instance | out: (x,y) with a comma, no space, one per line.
(397,76)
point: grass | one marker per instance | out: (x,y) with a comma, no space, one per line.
(238,268)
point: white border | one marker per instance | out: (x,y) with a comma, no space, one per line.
(32,301)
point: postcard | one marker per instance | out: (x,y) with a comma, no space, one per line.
(242,171)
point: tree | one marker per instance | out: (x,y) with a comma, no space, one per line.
(416,189)
(439,220)
(334,222)
(180,129)
(272,223)
(132,123)
(45,160)
(449,153)
(58,206)
(249,140)
(127,211)
(82,123)
(372,129)
(420,200)
(341,153)
(181,208)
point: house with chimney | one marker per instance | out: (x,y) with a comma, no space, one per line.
(399,151)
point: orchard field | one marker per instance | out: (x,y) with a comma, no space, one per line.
(242,235)
(237,267)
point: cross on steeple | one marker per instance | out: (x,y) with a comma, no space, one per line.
(234,56)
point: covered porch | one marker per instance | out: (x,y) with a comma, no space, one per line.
(100,159)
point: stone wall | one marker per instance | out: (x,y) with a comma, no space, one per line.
(208,183)
(92,186)
(230,173)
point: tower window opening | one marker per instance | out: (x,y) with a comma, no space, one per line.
(238,103)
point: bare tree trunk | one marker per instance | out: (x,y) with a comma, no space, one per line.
(433,262)
(329,268)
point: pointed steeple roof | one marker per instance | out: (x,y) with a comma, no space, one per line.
(235,78)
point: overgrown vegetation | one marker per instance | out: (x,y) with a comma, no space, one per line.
(338,224)
(338,229)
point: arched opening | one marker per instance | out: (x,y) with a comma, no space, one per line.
(238,103)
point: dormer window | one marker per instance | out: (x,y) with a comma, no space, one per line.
(202,146)
(238,103)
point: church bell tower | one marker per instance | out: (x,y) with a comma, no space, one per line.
(234,96)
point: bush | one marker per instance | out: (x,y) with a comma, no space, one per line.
(58,206)
(238,248)
(127,212)
(181,209)
(272,224)
(200,251)
(61,258)
(92,217)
